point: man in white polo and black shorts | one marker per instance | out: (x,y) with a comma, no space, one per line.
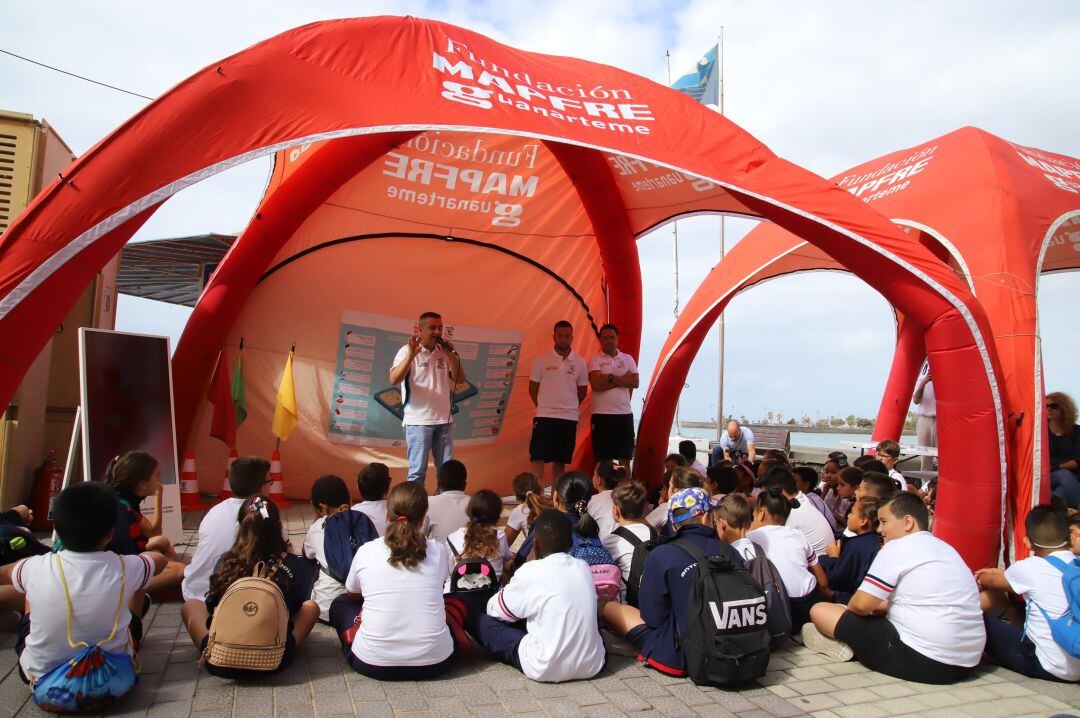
(557,385)
(613,375)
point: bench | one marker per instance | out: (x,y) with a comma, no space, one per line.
(765,439)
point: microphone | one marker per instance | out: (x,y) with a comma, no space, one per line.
(442,342)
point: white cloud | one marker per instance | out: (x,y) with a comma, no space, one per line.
(827,85)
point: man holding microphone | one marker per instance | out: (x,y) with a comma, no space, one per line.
(428,369)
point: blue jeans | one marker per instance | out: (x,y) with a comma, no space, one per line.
(422,440)
(1065,484)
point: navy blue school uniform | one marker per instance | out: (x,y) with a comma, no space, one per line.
(846,572)
(664,594)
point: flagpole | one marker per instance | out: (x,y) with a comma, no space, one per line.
(675,264)
(720,335)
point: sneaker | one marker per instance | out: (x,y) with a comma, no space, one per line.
(817,642)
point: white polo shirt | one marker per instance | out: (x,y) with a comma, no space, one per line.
(599,508)
(616,400)
(326,588)
(217,534)
(791,553)
(446,514)
(928,405)
(426,387)
(1039,582)
(933,598)
(811,522)
(559,378)
(374,510)
(556,598)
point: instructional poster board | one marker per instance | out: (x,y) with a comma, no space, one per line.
(366,409)
(126,385)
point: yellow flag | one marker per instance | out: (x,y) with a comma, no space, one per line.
(285,412)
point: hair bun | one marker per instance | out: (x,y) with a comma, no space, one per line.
(793,503)
(580,506)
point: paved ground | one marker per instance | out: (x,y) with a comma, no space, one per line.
(320,684)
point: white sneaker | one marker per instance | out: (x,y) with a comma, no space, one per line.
(817,642)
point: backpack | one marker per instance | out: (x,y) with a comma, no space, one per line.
(92,679)
(250,625)
(1066,628)
(637,560)
(472,575)
(607,580)
(777,606)
(727,638)
(344,533)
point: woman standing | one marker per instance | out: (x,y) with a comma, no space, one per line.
(1064,447)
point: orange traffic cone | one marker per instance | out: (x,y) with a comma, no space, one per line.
(189,485)
(277,484)
(226,493)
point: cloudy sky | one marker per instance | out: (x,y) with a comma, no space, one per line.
(826,85)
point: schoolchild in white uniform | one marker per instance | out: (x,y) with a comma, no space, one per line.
(99,585)
(677,476)
(544,621)
(531,501)
(401,632)
(605,478)
(373,482)
(916,615)
(482,538)
(733,517)
(1027,646)
(329,495)
(803,516)
(789,550)
(446,510)
(217,530)
(628,507)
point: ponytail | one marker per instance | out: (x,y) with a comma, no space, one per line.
(406,507)
(574,488)
(777,505)
(538,504)
(481,536)
(126,472)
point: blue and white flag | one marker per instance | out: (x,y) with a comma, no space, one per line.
(703,84)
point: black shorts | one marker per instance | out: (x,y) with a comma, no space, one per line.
(552,440)
(877,646)
(612,436)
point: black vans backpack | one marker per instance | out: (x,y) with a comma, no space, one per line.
(777,605)
(472,574)
(637,561)
(727,639)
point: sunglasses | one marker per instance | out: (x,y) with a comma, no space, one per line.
(1052,405)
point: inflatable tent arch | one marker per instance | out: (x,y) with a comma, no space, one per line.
(374,78)
(1013,219)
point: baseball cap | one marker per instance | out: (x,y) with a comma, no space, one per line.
(695,502)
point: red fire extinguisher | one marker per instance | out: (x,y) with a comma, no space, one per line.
(48,480)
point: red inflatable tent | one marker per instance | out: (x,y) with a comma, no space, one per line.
(999,214)
(636,154)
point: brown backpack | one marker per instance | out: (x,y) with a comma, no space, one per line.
(250,624)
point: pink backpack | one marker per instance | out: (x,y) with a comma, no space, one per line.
(607,580)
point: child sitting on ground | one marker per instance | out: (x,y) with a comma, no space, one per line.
(531,501)
(675,480)
(571,496)
(847,483)
(607,476)
(916,615)
(789,550)
(803,516)
(849,558)
(665,588)
(16,543)
(329,495)
(806,480)
(732,518)
(373,482)
(217,530)
(136,476)
(482,538)
(1027,646)
(446,510)
(630,532)
(259,540)
(82,593)
(401,634)
(544,621)
(720,480)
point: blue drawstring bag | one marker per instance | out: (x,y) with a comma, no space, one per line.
(93,678)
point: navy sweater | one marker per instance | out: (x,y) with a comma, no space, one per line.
(847,572)
(665,592)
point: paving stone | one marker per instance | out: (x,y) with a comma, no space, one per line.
(557,707)
(519,701)
(734,702)
(894,690)
(897,706)
(806,688)
(180,671)
(777,706)
(450,707)
(546,690)
(173,691)
(373,710)
(487,711)
(628,701)
(295,695)
(804,673)
(713,710)
(783,691)
(845,669)
(338,703)
(645,687)
(213,698)
(603,711)
(863,710)
(671,707)
(813,703)
(405,699)
(438,689)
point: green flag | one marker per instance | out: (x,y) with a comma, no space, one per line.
(239,396)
